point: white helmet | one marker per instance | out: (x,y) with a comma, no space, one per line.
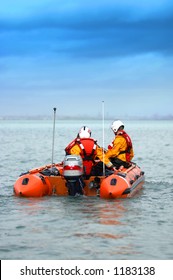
(84,132)
(116,125)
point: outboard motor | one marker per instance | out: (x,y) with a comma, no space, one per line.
(72,172)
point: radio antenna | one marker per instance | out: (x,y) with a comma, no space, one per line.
(103,134)
(53,138)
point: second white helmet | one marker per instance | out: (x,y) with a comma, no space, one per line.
(116,125)
(84,132)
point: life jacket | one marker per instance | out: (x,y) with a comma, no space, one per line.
(88,151)
(110,146)
(70,145)
(128,142)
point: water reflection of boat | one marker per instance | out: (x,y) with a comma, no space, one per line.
(108,218)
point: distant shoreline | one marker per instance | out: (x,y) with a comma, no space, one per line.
(130,118)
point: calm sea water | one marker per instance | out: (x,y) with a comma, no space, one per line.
(84,227)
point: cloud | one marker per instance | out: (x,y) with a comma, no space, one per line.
(89,31)
(77,53)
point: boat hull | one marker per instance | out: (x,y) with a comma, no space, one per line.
(32,185)
(120,184)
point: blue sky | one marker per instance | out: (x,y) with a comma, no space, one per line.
(72,54)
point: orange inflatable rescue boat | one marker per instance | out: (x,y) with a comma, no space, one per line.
(67,178)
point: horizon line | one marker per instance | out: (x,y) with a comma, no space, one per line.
(84,117)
